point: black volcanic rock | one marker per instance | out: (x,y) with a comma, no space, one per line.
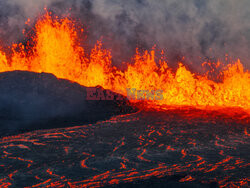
(146,149)
(30,101)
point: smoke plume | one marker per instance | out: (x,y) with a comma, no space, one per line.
(195,29)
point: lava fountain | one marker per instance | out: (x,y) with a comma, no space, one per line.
(56,50)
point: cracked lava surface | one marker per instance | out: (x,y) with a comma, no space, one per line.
(202,146)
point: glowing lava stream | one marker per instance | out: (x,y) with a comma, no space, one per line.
(57,51)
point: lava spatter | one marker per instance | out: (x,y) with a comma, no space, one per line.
(56,50)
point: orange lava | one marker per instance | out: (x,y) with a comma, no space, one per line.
(57,51)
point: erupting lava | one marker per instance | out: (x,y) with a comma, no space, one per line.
(56,50)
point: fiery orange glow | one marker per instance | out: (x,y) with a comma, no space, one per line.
(57,51)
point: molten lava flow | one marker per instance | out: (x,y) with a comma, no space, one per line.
(57,51)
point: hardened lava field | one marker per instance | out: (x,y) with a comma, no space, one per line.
(194,146)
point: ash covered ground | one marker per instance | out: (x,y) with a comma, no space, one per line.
(182,147)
